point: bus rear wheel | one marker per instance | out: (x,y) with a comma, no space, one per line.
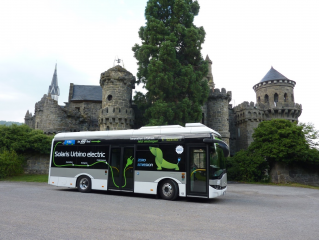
(169,190)
(84,184)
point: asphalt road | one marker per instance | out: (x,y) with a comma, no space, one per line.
(39,211)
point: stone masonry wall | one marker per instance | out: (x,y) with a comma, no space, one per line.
(37,164)
(217,112)
(283,173)
(89,111)
(116,113)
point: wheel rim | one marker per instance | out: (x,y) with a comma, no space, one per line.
(84,183)
(167,189)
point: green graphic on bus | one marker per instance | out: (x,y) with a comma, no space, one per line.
(160,161)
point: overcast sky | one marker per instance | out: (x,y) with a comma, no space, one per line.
(243,39)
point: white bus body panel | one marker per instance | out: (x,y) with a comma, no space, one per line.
(145,187)
(216,193)
(99,184)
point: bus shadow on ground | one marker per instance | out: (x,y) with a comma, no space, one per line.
(144,196)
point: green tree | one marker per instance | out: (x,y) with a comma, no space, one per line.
(170,64)
(311,134)
(279,140)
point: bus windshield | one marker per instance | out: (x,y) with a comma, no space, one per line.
(217,161)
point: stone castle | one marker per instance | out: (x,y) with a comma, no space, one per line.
(109,107)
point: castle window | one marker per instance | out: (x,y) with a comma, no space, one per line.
(77,108)
(107,110)
(119,110)
(107,128)
(258,100)
(266,99)
(285,97)
(275,99)
(238,132)
(203,116)
(126,110)
(113,109)
(109,97)
(292,97)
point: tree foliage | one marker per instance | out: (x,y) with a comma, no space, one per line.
(22,139)
(279,140)
(170,64)
(311,134)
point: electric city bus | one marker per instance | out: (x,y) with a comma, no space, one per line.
(168,161)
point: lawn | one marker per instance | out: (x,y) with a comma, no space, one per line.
(28,178)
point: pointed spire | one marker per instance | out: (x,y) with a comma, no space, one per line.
(208,59)
(27,114)
(54,89)
(273,74)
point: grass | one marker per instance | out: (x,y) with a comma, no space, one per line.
(27,178)
(285,184)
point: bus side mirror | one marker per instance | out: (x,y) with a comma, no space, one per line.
(220,143)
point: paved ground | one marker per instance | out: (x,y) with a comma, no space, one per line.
(39,211)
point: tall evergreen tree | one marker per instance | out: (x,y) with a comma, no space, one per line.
(170,64)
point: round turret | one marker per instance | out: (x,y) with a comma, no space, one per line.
(116,113)
(275,94)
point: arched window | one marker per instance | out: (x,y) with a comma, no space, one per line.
(275,99)
(286,97)
(107,110)
(113,109)
(107,128)
(266,99)
(258,100)
(119,110)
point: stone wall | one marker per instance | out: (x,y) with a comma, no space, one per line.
(37,164)
(283,173)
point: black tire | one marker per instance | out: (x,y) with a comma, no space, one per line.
(84,184)
(169,190)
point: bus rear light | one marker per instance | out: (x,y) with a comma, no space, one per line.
(71,184)
(151,190)
(102,186)
(52,182)
(183,175)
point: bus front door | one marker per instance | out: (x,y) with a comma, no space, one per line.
(121,169)
(197,178)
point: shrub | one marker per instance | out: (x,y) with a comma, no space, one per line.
(10,163)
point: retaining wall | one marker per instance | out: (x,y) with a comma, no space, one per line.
(283,173)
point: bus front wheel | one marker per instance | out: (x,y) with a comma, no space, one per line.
(84,184)
(169,190)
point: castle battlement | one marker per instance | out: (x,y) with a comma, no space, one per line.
(277,82)
(222,94)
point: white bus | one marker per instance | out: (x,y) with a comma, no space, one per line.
(170,161)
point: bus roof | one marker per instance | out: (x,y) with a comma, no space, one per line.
(191,130)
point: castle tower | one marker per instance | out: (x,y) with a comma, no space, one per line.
(28,119)
(217,112)
(116,113)
(54,89)
(275,99)
(209,76)
(275,95)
